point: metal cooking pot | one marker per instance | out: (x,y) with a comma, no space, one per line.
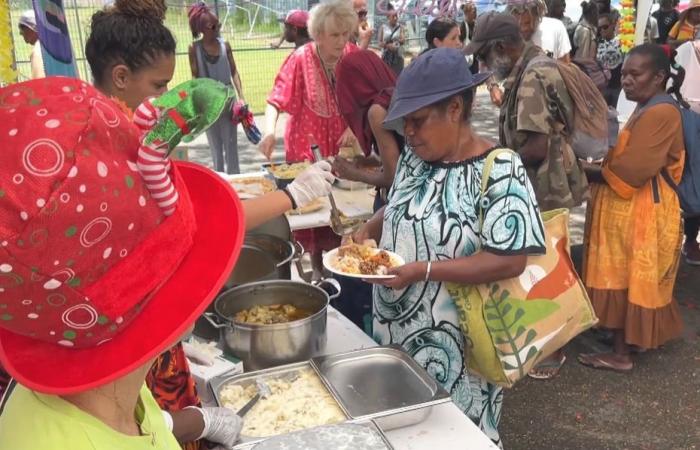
(263,257)
(263,346)
(278,226)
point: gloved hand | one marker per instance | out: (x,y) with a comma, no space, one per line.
(314,182)
(204,355)
(221,425)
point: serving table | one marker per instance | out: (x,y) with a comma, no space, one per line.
(446,428)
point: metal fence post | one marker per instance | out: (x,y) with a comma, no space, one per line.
(81,40)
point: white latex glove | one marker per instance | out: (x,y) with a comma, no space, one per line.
(314,182)
(221,425)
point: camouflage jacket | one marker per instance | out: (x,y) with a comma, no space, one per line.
(536,100)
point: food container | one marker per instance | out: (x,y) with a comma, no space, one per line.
(263,257)
(345,436)
(280,182)
(288,372)
(262,346)
(278,227)
(381,383)
(251,185)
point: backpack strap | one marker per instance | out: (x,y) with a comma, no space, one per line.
(486,173)
(663,99)
(660,99)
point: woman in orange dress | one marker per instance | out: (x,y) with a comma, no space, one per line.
(633,229)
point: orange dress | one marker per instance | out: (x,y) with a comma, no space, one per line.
(633,230)
(172,385)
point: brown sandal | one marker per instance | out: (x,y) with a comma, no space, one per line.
(596,361)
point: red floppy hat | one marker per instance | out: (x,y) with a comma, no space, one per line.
(95,280)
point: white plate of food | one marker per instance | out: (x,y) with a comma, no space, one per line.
(362,261)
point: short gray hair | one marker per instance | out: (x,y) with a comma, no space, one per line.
(537,8)
(338,10)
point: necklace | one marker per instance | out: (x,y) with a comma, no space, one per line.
(328,69)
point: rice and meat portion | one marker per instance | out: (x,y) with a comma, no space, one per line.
(363,260)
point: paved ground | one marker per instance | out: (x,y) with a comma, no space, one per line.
(656,407)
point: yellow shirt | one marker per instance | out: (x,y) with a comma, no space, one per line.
(34,421)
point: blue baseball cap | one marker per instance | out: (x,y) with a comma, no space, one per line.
(435,75)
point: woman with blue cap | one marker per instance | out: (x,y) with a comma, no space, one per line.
(432,220)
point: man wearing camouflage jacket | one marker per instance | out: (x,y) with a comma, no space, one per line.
(536,111)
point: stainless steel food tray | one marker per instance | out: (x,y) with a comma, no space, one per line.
(373,425)
(369,424)
(246,379)
(381,383)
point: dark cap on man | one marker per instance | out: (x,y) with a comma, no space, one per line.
(492,26)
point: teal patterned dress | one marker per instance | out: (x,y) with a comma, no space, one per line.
(433,214)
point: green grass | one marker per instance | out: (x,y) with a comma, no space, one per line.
(257,63)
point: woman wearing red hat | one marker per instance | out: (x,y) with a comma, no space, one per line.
(93,265)
(130,74)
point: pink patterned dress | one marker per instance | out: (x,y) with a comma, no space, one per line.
(303,90)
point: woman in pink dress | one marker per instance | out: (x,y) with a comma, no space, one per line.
(305,89)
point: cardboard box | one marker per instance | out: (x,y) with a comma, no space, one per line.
(203,374)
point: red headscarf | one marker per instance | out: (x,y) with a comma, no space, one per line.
(363,80)
(196,14)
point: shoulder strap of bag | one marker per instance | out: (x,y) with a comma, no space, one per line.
(486,173)
(663,99)
(393,32)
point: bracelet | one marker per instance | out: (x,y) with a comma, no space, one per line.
(291,199)
(427,271)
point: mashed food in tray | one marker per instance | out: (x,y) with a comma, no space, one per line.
(288,171)
(294,404)
(270,314)
(360,259)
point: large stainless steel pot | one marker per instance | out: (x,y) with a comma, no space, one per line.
(263,346)
(263,257)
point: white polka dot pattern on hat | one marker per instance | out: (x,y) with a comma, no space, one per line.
(75,192)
